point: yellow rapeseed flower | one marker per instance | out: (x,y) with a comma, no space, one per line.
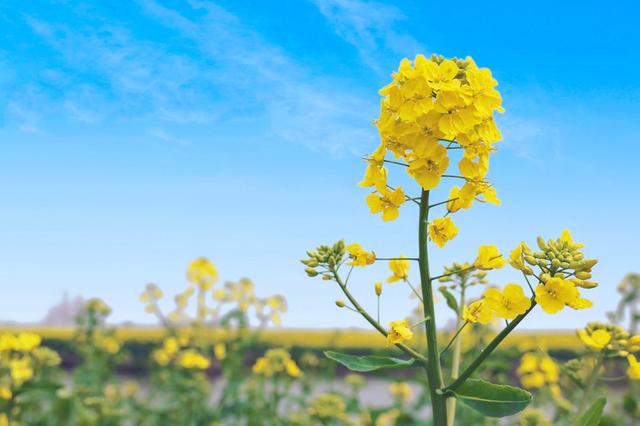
(442,230)
(489,257)
(509,303)
(399,331)
(386,201)
(202,272)
(598,339)
(220,351)
(359,256)
(5,393)
(634,368)
(555,294)
(478,312)
(429,165)
(400,269)
(193,360)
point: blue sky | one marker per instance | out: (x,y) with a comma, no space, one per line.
(135,136)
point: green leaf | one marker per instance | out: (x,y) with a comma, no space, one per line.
(591,417)
(368,362)
(492,400)
(451,300)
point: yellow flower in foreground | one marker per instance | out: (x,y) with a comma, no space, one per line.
(634,368)
(478,311)
(507,304)
(400,269)
(386,201)
(376,174)
(459,199)
(489,257)
(359,256)
(516,259)
(202,272)
(442,230)
(555,294)
(399,331)
(596,340)
(429,165)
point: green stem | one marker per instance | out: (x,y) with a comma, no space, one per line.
(455,361)
(406,349)
(433,369)
(488,350)
(590,384)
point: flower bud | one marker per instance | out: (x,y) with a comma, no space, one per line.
(340,303)
(378,288)
(582,275)
(541,243)
(311,272)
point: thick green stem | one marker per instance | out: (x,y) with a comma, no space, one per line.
(434,372)
(455,362)
(590,384)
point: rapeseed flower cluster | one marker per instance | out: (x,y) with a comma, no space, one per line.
(21,357)
(433,106)
(613,340)
(276,362)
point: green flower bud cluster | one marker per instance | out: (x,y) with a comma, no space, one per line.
(463,275)
(324,259)
(561,258)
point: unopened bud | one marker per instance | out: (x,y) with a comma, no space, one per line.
(311,272)
(582,275)
(378,288)
(340,303)
(541,243)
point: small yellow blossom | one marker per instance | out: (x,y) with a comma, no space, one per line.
(400,269)
(429,165)
(442,230)
(386,201)
(5,393)
(555,294)
(478,312)
(598,339)
(359,256)
(459,199)
(634,368)
(220,351)
(202,273)
(489,257)
(193,360)
(399,331)
(400,391)
(507,304)
(376,174)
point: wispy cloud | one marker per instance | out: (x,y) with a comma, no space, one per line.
(216,69)
(372,28)
(300,106)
